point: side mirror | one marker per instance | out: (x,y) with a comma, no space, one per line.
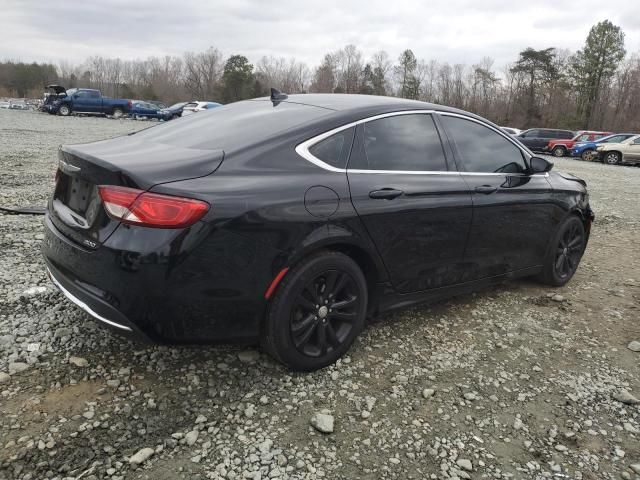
(540,165)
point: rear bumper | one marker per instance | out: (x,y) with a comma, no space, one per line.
(165,286)
(100,310)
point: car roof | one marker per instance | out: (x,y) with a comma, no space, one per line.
(347,101)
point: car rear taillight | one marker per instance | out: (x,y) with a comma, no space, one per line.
(137,207)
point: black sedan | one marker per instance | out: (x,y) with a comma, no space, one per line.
(291,220)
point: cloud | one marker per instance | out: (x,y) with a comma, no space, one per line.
(456,31)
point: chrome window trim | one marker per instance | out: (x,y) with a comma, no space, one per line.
(84,306)
(522,148)
(302,149)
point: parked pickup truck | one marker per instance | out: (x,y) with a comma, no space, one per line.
(87,100)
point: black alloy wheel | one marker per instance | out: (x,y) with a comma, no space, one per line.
(324,313)
(569,251)
(317,311)
(565,252)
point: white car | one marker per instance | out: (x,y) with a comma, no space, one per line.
(511,130)
(193,107)
(4,104)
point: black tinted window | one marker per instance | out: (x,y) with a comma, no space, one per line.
(532,134)
(481,149)
(233,126)
(334,150)
(563,134)
(402,142)
(549,134)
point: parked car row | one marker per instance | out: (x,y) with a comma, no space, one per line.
(14,105)
(59,101)
(607,147)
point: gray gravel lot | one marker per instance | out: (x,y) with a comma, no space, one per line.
(519,382)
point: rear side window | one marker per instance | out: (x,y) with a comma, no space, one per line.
(565,135)
(233,126)
(481,149)
(400,143)
(334,150)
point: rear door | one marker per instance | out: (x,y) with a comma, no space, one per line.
(513,215)
(414,204)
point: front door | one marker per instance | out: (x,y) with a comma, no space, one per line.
(88,101)
(415,206)
(632,152)
(513,215)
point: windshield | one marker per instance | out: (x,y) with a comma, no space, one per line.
(177,105)
(71,91)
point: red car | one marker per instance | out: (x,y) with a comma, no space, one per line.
(560,148)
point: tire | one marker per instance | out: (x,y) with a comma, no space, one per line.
(117,113)
(64,110)
(587,155)
(612,158)
(304,329)
(559,151)
(564,253)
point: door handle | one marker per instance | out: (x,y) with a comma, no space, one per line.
(486,189)
(386,193)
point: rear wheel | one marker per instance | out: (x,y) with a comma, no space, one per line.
(559,151)
(317,312)
(565,252)
(64,110)
(612,158)
(587,155)
(117,113)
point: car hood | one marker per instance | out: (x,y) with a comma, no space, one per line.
(571,177)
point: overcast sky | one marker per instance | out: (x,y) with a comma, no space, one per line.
(444,30)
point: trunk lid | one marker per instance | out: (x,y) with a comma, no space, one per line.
(76,208)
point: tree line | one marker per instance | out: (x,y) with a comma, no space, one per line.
(597,87)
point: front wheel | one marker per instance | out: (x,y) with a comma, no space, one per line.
(117,113)
(565,252)
(64,110)
(587,155)
(317,312)
(559,151)
(612,158)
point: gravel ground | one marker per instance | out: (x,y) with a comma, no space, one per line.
(519,382)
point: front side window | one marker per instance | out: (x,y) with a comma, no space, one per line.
(400,143)
(334,150)
(481,149)
(636,141)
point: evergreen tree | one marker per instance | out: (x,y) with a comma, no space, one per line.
(595,64)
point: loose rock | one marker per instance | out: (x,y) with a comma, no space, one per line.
(322,421)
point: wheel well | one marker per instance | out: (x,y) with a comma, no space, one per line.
(362,258)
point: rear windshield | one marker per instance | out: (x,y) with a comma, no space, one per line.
(231,126)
